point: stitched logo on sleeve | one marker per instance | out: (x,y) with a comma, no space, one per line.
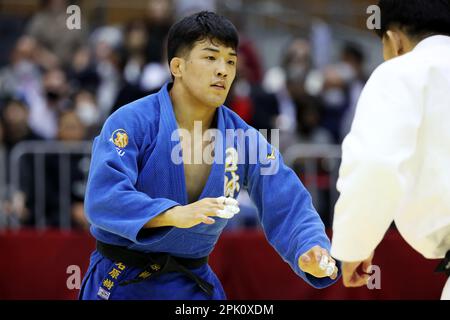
(120,139)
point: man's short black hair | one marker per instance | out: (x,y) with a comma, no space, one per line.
(197,27)
(417,18)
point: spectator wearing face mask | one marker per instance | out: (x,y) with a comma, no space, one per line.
(87,111)
(22,76)
(342,85)
(53,99)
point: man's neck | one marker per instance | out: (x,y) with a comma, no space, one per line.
(188,109)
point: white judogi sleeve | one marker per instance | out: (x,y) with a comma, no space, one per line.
(371,180)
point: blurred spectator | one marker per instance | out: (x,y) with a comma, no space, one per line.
(354,57)
(2,134)
(48,27)
(187,7)
(297,65)
(107,42)
(140,77)
(22,75)
(70,129)
(14,116)
(335,97)
(154,76)
(135,54)
(298,87)
(87,111)
(53,99)
(82,72)
(15,121)
(309,130)
(247,96)
(11,28)
(291,85)
(159,18)
(343,83)
(314,173)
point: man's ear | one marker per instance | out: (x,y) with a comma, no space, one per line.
(396,42)
(176,67)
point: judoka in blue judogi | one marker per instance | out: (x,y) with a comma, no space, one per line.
(136,177)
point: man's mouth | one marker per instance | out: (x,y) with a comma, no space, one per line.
(220,86)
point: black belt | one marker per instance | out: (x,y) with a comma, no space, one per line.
(444,266)
(155,263)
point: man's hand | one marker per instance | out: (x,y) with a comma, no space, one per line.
(310,262)
(190,215)
(354,274)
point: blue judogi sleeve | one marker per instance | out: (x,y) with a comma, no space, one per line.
(113,202)
(290,222)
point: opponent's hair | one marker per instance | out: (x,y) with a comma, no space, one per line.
(417,18)
(197,27)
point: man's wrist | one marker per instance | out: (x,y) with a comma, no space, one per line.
(162,220)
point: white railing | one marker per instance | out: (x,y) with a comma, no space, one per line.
(38,150)
(319,165)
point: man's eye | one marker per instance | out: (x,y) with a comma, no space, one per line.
(210,58)
(231,62)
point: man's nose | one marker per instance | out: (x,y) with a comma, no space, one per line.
(221,70)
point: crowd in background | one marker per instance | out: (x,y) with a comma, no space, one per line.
(61,85)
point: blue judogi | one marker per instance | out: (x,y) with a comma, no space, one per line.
(133,178)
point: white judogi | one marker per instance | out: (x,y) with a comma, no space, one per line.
(396,159)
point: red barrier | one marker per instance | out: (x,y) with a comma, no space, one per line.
(34,264)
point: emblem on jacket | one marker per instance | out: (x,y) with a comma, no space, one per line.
(120,139)
(231,181)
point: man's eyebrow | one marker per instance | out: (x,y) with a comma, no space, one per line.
(211,49)
(217,50)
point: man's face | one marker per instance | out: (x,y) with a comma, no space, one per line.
(208,72)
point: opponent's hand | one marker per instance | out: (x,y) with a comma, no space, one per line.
(309,262)
(192,214)
(351,276)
